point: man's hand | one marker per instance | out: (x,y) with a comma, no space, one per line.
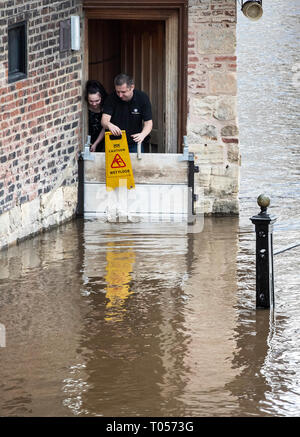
(93,147)
(138,138)
(106,124)
(115,130)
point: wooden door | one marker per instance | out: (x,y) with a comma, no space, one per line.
(104,47)
(142,56)
(135,47)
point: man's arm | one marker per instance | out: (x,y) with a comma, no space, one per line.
(105,122)
(139,138)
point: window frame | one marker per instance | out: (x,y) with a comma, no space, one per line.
(20,72)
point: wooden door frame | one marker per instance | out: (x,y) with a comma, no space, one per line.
(174,14)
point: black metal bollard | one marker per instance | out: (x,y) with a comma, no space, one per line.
(264,254)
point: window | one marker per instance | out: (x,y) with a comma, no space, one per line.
(17,52)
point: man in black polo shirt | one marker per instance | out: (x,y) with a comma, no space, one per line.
(130,110)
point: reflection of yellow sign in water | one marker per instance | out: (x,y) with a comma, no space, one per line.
(117,162)
(118,277)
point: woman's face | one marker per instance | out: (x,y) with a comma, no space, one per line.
(94,100)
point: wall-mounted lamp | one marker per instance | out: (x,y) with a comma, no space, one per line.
(75,32)
(252,9)
(70,34)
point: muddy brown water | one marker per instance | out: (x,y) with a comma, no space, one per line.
(103,321)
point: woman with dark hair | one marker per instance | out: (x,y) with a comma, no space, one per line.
(95,95)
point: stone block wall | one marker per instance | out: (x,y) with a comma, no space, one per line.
(212,87)
(40,121)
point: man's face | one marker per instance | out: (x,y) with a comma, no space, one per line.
(124,92)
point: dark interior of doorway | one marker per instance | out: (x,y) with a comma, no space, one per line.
(135,47)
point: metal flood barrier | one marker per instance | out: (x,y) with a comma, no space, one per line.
(164,189)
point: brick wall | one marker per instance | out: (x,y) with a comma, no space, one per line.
(40,115)
(212,88)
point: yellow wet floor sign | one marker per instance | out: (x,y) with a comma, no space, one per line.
(117,162)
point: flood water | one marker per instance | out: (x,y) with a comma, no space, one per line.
(103,321)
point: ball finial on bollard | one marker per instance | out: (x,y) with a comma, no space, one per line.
(263,201)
